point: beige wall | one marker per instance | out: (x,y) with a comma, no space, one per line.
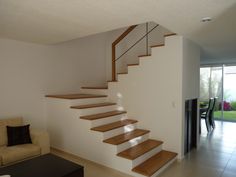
(29,71)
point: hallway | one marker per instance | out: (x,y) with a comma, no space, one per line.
(216,156)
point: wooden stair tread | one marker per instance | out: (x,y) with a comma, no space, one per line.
(114,125)
(93,105)
(76,96)
(102,87)
(102,115)
(153,164)
(132,64)
(158,45)
(144,55)
(123,73)
(140,149)
(171,34)
(119,139)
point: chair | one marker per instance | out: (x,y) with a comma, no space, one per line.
(206,115)
(211,116)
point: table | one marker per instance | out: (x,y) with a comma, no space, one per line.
(44,166)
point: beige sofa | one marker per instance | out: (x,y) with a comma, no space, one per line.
(8,155)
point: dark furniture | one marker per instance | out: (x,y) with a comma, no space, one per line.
(208,114)
(190,125)
(211,118)
(44,166)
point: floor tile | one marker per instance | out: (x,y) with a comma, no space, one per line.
(216,156)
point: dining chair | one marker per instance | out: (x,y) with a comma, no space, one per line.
(206,115)
(211,116)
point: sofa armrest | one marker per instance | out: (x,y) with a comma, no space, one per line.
(41,138)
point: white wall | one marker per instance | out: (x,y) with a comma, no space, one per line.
(86,58)
(29,71)
(190,74)
(191,69)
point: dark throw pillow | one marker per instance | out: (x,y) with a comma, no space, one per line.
(18,135)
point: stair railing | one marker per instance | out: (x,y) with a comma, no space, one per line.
(122,36)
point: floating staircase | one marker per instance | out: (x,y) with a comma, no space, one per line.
(146,155)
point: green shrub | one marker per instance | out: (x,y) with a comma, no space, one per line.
(217,106)
(233,105)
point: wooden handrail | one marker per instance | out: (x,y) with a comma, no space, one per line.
(122,36)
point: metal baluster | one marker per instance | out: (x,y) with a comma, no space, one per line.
(147,38)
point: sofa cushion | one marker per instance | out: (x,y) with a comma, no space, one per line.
(3,128)
(17,153)
(18,135)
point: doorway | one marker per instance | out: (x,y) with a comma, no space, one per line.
(220,82)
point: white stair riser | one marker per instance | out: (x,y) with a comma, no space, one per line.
(131,143)
(130,67)
(76,102)
(121,76)
(158,50)
(107,120)
(143,60)
(95,91)
(119,131)
(133,69)
(96,110)
(146,156)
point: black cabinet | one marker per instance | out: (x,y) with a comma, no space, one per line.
(190,125)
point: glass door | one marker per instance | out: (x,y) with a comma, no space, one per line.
(220,82)
(229,103)
(211,82)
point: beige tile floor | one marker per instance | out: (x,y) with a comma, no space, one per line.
(216,157)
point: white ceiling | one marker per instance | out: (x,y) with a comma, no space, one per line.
(54,21)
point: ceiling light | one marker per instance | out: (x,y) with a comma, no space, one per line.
(206,19)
